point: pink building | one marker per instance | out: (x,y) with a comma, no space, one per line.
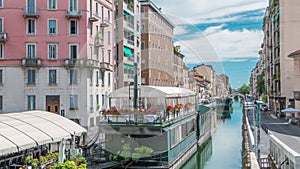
(56,55)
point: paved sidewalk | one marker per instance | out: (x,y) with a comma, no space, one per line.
(289,134)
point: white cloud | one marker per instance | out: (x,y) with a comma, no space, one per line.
(216,44)
(179,30)
(195,11)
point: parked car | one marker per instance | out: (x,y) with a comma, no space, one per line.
(204,101)
(264,107)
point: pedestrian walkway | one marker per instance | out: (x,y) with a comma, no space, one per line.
(287,139)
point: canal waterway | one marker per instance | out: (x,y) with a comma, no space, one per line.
(223,150)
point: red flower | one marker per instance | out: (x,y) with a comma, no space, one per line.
(169,108)
(178,106)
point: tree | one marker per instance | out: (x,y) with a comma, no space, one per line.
(245,89)
(260,89)
(230,90)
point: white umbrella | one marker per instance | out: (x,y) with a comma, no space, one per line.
(290,110)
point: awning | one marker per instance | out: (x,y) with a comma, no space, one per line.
(126,14)
(24,130)
(128,67)
(290,110)
(276,18)
(127,51)
(154,92)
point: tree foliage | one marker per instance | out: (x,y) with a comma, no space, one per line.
(260,85)
(245,89)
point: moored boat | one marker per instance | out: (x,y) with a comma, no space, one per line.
(162,132)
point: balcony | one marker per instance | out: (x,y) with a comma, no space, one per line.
(104,24)
(104,66)
(76,14)
(93,18)
(3,36)
(81,63)
(31,13)
(31,62)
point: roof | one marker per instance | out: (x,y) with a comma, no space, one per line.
(153,91)
(295,54)
(24,130)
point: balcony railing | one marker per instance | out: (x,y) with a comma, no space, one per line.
(3,36)
(104,66)
(76,14)
(31,62)
(81,62)
(31,13)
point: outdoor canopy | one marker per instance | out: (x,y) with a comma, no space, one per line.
(290,110)
(24,130)
(153,92)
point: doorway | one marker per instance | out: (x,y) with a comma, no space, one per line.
(53,104)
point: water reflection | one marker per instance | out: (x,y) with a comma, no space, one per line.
(223,150)
(198,160)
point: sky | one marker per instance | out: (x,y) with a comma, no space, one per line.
(225,34)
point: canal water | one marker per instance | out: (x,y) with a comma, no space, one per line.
(223,150)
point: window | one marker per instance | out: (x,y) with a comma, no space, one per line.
(97,11)
(31,77)
(108,79)
(73,102)
(97,78)
(73,51)
(1,24)
(52,51)
(1,103)
(91,52)
(73,6)
(108,16)
(91,103)
(91,77)
(91,29)
(31,50)
(102,78)
(102,99)
(97,29)
(102,13)
(1,50)
(1,3)
(97,53)
(73,76)
(31,26)
(73,27)
(108,37)
(31,102)
(102,51)
(108,57)
(31,6)
(52,4)
(52,27)
(1,77)
(97,99)
(52,77)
